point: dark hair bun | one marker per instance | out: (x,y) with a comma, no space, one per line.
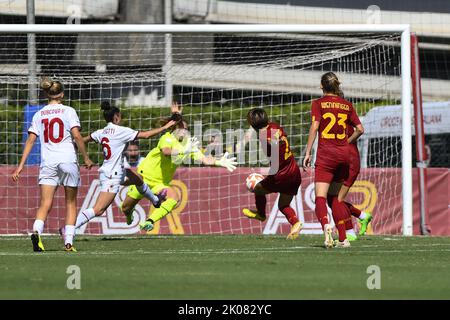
(105,105)
(176,117)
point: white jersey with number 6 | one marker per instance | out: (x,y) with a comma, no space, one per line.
(113,139)
(52,124)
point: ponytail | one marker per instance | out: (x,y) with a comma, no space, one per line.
(108,111)
(330,84)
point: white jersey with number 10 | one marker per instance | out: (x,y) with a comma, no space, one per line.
(52,124)
(113,139)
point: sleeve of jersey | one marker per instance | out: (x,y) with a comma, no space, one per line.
(34,128)
(74,121)
(95,136)
(130,135)
(354,119)
(166,142)
(315,111)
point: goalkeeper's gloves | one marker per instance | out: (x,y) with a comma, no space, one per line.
(228,163)
(191,146)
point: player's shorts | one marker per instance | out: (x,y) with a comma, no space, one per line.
(332,165)
(111,184)
(354,168)
(155,187)
(285,181)
(66,174)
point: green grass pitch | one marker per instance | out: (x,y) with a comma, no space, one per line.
(226,267)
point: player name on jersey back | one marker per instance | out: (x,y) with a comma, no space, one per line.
(334,105)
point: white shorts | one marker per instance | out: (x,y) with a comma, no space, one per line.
(66,174)
(111,184)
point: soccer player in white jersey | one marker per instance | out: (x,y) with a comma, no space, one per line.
(57,127)
(113,173)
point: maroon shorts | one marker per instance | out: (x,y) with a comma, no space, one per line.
(332,164)
(355,166)
(286,181)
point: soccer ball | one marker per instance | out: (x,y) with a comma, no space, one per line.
(252,180)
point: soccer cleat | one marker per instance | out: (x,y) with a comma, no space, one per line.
(364,223)
(162,196)
(38,246)
(343,244)
(253,214)
(147,225)
(295,230)
(351,237)
(69,248)
(328,231)
(129,218)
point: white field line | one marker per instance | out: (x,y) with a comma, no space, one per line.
(223,251)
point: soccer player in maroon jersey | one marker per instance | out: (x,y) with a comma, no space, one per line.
(331,115)
(284,175)
(354,168)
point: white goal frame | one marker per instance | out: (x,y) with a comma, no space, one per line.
(404,29)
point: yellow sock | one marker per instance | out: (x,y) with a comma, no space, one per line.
(165,208)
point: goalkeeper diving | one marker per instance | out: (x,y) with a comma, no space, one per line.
(159,166)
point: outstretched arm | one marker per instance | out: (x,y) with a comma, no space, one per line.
(150,133)
(26,152)
(225,161)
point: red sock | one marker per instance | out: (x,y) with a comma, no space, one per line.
(353,211)
(321,211)
(290,214)
(341,214)
(261,204)
(348,222)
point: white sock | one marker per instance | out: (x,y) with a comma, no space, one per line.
(362,215)
(84,217)
(145,190)
(350,231)
(69,233)
(38,226)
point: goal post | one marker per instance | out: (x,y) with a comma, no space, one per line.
(352,29)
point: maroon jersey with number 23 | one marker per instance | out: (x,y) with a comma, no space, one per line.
(334,114)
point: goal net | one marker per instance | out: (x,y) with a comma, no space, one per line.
(217,78)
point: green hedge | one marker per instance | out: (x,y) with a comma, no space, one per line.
(294,118)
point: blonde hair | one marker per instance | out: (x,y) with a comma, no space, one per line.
(330,84)
(51,88)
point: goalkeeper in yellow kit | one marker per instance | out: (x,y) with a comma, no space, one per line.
(159,166)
